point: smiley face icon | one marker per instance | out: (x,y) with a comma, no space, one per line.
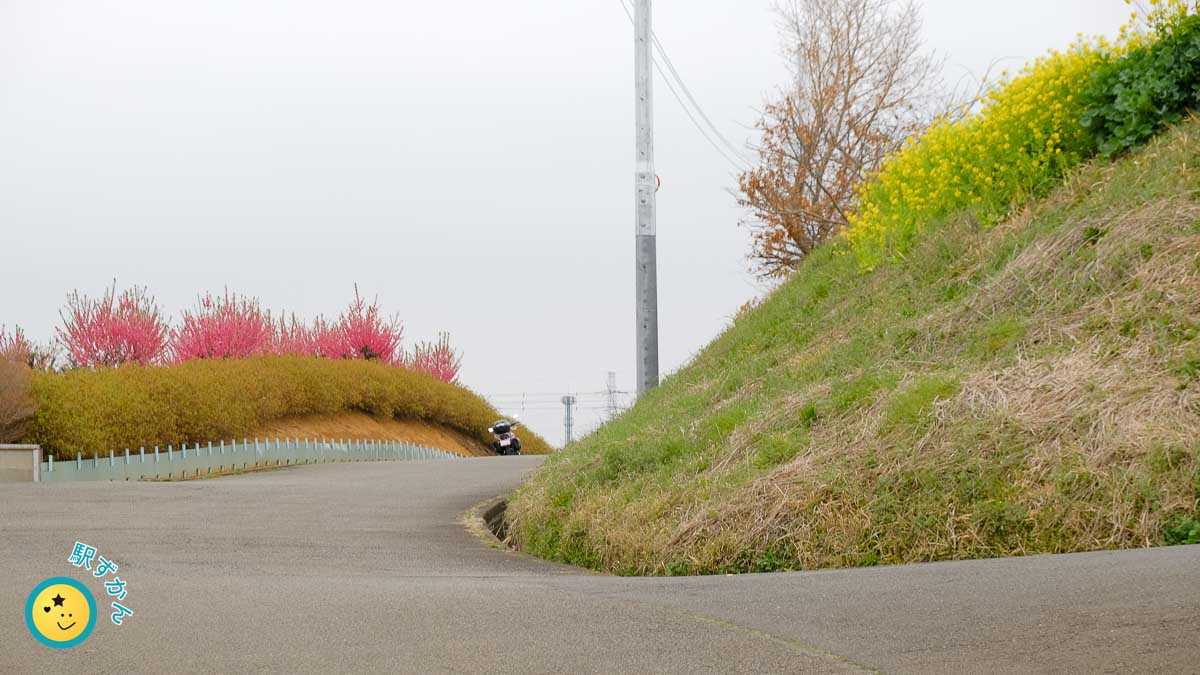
(60,612)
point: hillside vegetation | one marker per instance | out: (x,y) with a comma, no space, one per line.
(1004,387)
(362,425)
(90,411)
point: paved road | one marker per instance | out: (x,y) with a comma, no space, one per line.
(344,568)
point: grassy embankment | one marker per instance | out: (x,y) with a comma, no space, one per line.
(93,411)
(1025,387)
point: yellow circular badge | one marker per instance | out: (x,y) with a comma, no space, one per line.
(60,612)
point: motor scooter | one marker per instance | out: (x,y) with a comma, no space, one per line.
(506,442)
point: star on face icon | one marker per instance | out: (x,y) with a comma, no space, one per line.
(58,600)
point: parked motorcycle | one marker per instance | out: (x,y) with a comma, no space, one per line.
(506,442)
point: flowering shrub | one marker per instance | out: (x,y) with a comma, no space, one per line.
(15,347)
(293,338)
(437,359)
(229,327)
(113,330)
(1021,141)
(130,328)
(367,336)
(1026,134)
(328,340)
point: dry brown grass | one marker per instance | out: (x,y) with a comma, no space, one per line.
(1095,407)
(1030,387)
(16,401)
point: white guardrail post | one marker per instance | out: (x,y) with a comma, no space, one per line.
(202,459)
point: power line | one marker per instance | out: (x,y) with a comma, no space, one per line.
(688,92)
(537,399)
(549,404)
(603,395)
(736,163)
(736,160)
(556,394)
(621,408)
(593,406)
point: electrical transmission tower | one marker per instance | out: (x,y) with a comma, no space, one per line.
(568,421)
(612,394)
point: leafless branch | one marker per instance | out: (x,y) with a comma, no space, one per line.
(862,83)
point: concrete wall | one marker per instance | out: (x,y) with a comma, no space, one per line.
(20,463)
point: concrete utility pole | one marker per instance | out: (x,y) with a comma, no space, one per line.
(568,425)
(646,181)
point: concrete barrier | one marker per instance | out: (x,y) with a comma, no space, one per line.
(20,463)
(493,517)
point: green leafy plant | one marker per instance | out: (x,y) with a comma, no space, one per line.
(1132,98)
(1182,529)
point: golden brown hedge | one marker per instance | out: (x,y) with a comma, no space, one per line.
(92,411)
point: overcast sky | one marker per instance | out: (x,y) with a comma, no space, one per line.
(469,162)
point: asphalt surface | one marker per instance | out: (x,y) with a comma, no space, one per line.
(368,568)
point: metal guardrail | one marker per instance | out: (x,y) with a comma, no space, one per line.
(200,460)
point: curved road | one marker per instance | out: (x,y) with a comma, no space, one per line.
(366,567)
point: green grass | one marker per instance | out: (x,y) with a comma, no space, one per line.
(1024,387)
(912,406)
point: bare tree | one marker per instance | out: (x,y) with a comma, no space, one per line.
(862,83)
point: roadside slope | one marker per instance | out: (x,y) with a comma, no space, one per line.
(1028,387)
(362,425)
